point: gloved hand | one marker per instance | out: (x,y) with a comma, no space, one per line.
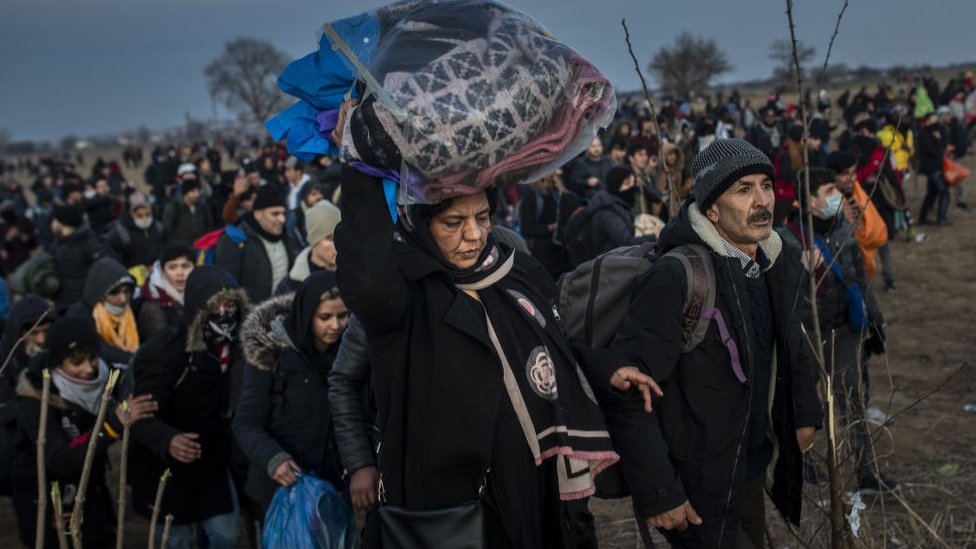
(875,343)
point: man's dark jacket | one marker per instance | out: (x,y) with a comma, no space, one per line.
(248,261)
(693,446)
(73,256)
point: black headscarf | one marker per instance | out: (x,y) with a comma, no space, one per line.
(299,322)
(414,228)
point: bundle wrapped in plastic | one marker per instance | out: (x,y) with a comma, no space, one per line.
(453,95)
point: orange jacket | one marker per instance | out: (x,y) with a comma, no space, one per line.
(869,228)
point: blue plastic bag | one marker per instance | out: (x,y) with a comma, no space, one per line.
(310,514)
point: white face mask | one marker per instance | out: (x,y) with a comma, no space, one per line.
(114,310)
(143,223)
(834,202)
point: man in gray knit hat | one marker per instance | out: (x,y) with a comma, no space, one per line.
(696,466)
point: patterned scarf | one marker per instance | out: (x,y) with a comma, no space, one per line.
(555,406)
(118,331)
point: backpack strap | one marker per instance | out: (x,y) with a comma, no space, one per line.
(700,296)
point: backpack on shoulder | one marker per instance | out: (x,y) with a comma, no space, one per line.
(593,301)
(206,245)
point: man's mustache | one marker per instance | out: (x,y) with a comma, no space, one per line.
(761,215)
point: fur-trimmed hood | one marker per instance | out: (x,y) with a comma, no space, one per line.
(195,341)
(692,227)
(264,335)
(29,385)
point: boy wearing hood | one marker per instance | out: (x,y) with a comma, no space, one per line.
(194,371)
(78,379)
(107,299)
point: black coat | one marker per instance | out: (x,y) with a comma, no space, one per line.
(537,211)
(134,246)
(692,447)
(248,262)
(436,378)
(73,256)
(611,224)
(194,396)
(352,414)
(69,427)
(185,225)
(284,410)
(932,149)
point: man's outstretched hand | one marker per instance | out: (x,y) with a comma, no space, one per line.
(629,376)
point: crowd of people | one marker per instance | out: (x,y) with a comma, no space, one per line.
(272,319)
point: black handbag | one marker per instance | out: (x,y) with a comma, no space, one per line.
(458,527)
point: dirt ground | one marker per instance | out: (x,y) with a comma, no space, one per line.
(928,447)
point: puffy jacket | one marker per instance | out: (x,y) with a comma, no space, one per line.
(73,256)
(901,145)
(195,395)
(284,411)
(871,230)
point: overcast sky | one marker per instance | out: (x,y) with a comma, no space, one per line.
(100,66)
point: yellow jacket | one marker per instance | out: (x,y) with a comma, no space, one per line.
(902,145)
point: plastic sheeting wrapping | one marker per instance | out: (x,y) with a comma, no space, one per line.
(454,95)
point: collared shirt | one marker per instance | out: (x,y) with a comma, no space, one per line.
(752,267)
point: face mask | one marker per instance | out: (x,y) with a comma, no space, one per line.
(833,206)
(143,223)
(222,326)
(89,194)
(114,310)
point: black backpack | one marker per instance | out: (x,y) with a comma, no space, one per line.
(593,301)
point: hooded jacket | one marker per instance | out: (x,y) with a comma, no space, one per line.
(611,224)
(105,274)
(693,446)
(158,308)
(24,314)
(69,429)
(195,395)
(284,411)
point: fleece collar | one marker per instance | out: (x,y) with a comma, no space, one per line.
(704,228)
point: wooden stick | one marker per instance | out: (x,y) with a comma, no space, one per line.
(40,525)
(168,524)
(123,474)
(58,515)
(78,512)
(156,506)
(673,202)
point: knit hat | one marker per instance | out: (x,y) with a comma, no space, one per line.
(70,216)
(293,163)
(321,220)
(616,177)
(70,334)
(721,164)
(138,200)
(268,197)
(188,185)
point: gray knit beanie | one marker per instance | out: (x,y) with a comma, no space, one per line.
(321,220)
(721,164)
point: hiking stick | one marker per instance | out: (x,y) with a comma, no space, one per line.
(673,202)
(78,512)
(838,538)
(21,340)
(58,515)
(168,524)
(40,526)
(156,505)
(123,473)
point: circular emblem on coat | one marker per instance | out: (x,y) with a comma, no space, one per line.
(541,373)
